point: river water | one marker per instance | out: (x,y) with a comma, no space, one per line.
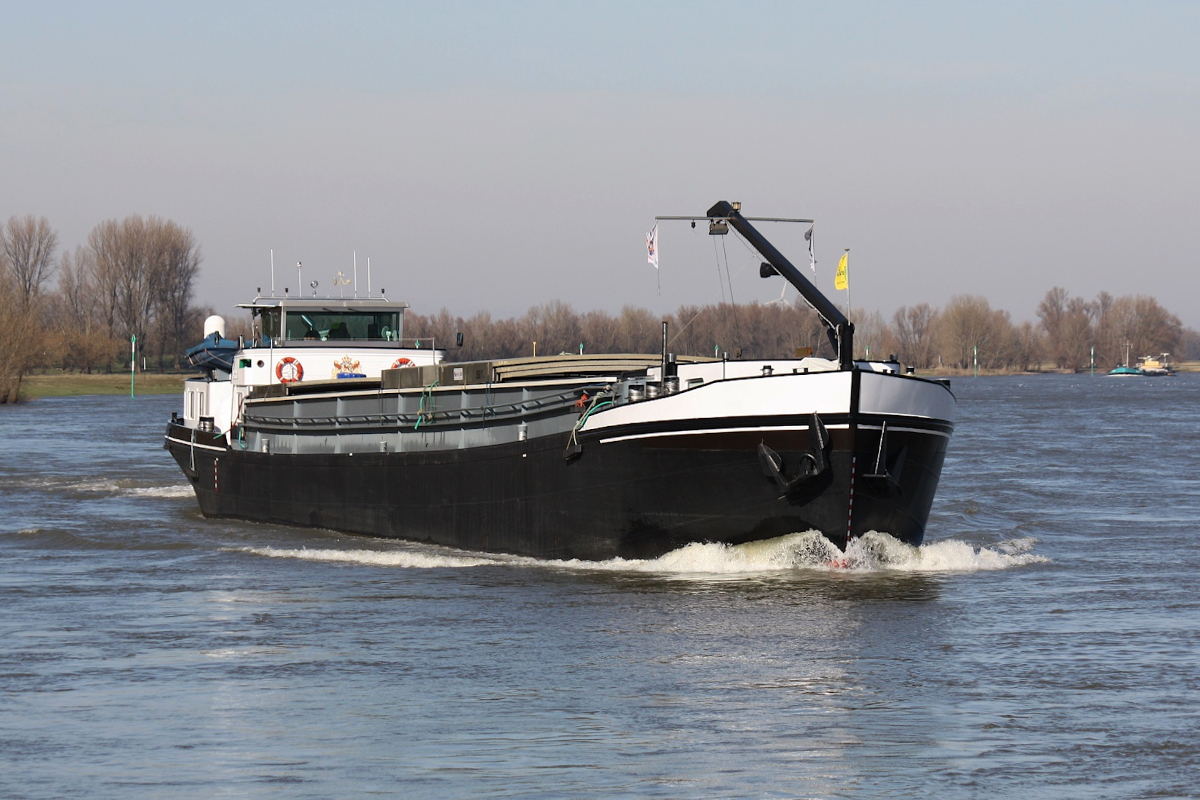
(1044,642)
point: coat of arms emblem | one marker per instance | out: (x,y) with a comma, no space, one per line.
(346,367)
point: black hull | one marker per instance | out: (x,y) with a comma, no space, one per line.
(636,498)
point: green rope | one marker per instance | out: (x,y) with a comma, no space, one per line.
(428,390)
(593,407)
(596,403)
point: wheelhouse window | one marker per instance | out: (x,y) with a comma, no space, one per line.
(327,325)
(269,322)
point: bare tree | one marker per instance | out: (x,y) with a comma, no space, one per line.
(240,326)
(914,328)
(872,337)
(1068,324)
(20,339)
(476,339)
(639,330)
(1076,334)
(781,330)
(26,261)
(598,332)
(1028,346)
(84,340)
(143,271)
(810,331)
(1104,335)
(141,276)
(180,263)
(1052,309)
(27,252)
(435,330)
(1189,345)
(554,326)
(1003,352)
(1147,326)
(510,340)
(969,327)
(104,258)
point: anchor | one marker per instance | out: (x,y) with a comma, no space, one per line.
(813,465)
(886,477)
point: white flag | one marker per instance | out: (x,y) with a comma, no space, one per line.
(652,246)
(812,256)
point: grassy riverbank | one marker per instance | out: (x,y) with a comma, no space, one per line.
(71,384)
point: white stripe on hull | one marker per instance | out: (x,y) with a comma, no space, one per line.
(186,443)
(763,429)
(898,429)
(702,431)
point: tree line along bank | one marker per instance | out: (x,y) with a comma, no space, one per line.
(1070,332)
(78,310)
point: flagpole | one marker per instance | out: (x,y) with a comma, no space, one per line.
(841,280)
(652,252)
(848,315)
(812,253)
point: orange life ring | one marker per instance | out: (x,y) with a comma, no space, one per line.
(402,362)
(289,370)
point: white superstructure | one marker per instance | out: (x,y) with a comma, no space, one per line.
(298,340)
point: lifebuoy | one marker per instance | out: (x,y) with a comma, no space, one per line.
(402,362)
(289,370)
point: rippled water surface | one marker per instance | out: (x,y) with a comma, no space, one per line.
(1044,642)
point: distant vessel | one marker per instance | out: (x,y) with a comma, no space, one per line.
(1147,366)
(1125,370)
(1156,367)
(327,419)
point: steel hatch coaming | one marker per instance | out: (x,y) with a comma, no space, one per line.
(635,498)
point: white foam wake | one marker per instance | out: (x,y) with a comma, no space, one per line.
(161,491)
(880,552)
(874,552)
(410,559)
(123,488)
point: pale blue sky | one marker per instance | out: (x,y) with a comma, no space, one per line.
(492,156)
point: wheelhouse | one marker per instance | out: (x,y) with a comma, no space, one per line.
(328,322)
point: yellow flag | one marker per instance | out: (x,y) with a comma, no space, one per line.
(839,280)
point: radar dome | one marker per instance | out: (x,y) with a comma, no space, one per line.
(214,323)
